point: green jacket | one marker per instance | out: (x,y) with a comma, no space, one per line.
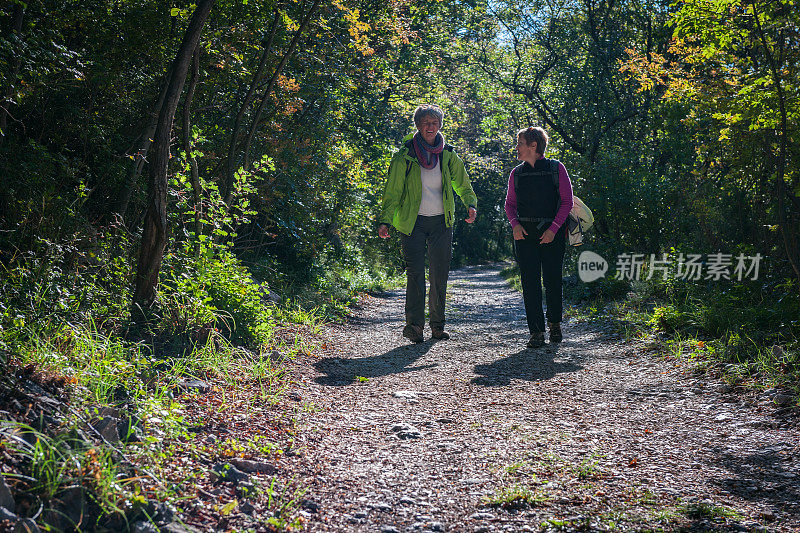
(403,193)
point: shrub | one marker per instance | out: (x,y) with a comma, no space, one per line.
(217,292)
(668,318)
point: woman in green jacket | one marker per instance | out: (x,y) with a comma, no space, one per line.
(418,201)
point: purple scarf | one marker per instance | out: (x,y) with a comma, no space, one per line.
(428,155)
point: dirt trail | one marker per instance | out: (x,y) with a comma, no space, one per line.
(591,435)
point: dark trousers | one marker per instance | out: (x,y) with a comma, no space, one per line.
(430,235)
(536,262)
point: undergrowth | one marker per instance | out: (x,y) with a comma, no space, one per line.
(75,359)
(749,333)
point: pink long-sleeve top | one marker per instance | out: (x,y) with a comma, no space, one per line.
(564,190)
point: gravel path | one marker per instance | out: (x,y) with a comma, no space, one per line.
(479,434)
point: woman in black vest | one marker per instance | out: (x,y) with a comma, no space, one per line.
(538,202)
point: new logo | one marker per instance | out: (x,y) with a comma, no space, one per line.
(591,266)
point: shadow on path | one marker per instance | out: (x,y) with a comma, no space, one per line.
(760,477)
(340,371)
(527,365)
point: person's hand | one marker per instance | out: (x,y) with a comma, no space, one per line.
(519,232)
(472,214)
(547,237)
(383,231)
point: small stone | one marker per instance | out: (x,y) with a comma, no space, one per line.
(175,527)
(6,499)
(195,385)
(406,394)
(69,508)
(247,508)
(382,506)
(389,529)
(436,526)
(310,505)
(405,432)
(360,514)
(143,527)
(253,467)
(482,516)
(228,472)
(405,500)
(159,512)
(109,411)
(295,397)
(129,428)
(782,399)
(165,513)
(246,490)
(107,428)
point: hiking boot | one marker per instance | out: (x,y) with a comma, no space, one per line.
(413,333)
(440,334)
(555,331)
(537,340)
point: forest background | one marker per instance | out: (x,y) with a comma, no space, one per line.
(182,177)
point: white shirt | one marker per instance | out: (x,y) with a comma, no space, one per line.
(432,203)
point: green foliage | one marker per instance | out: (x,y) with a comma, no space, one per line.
(58,464)
(609,288)
(515,497)
(667,318)
(711,511)
(217,293)
(726,328)
(511,274)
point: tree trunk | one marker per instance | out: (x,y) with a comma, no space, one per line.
(141,145)
(154,233)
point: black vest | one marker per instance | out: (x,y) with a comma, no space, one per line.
(537,189)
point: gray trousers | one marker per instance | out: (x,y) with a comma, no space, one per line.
(430,235)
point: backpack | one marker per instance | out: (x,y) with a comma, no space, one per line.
(580,217)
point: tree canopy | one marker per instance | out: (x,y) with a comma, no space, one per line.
(677,123)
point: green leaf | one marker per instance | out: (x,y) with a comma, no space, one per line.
(174,12)
(228,508)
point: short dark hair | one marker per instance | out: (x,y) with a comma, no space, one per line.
(536,134)
(425,110)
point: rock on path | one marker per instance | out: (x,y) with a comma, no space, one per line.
(595,433)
